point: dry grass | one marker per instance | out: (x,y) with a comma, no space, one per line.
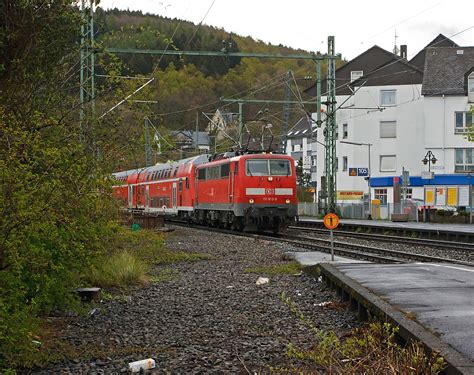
(370,350)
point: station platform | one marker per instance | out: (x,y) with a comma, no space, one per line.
(432,303)
(461,232)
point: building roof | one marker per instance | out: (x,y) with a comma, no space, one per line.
(301,128)
(446,70)
(189,137)
(379,66)
(440,41)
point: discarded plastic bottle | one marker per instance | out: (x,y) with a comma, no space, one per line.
(145,364)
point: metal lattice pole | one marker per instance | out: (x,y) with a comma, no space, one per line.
(148,150)
(87,80)
(330,131)
(286,112)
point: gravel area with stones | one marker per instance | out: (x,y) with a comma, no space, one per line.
(462,255)
(210,317)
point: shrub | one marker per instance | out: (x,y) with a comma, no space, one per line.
(119,270)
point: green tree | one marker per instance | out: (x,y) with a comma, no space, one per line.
(302,178)
(55,206)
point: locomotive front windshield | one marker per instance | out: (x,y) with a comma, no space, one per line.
(268,167)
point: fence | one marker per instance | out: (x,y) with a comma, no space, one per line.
(361,210)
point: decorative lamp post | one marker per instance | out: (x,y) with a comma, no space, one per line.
(429,159)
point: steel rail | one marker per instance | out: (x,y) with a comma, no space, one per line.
(463,246)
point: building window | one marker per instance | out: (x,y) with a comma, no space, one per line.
(388,163)
(407,193)
(337,131)
(462,122)
(388,129)
(344,163)
(337,164)
(388,97)
(464,160)
(470,87)
(356,74)
(345,132)
(381,194)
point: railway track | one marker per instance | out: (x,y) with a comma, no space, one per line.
(441,244)
(364,252)
(341,248)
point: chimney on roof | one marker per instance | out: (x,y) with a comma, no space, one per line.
(403,51)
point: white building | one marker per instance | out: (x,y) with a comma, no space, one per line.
(301,144)
(404,109)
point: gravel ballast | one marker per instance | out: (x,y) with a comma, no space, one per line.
(209,317)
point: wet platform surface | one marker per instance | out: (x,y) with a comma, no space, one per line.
(439,297)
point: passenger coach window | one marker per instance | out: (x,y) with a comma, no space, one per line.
(213,173)
(225,168)
(280,168)
(202,174)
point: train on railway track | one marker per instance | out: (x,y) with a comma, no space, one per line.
(237,190)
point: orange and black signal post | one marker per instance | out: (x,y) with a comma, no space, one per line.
(331,221)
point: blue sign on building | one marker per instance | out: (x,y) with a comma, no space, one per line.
(358,172)
(363,172)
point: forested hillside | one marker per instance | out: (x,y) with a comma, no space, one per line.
(184,85)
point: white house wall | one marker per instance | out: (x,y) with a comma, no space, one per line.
(364,127)
(440,138)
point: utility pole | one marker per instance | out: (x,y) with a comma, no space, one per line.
(148,151)
(87,80)
(286,112)
(330,132)
(241,121)
(197,132)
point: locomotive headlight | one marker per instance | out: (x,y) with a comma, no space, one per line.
(287,201)
(270,178)
(251,200)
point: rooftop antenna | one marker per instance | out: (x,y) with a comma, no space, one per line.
(396,50)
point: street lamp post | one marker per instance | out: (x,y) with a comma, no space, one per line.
(469,176)
(428,159)
(369,172)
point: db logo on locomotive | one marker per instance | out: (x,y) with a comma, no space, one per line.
(270,191)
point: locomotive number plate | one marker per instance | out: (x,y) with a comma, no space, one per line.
(270,191)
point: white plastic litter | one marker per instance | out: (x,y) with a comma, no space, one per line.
(262,280)
(322,304)
(145,364)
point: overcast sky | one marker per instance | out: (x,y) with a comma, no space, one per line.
(356,25)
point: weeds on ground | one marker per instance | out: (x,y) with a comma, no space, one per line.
(368,350)
(166,274)
(130,257)
(288,268)
(55,349)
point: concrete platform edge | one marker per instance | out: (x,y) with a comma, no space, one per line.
(408,329)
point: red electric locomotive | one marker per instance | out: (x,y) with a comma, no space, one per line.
(251,191)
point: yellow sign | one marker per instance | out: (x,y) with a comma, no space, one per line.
(349,195)
(331,221)
(452,196)
(429,196)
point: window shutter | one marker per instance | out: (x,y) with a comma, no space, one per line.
(388,129)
